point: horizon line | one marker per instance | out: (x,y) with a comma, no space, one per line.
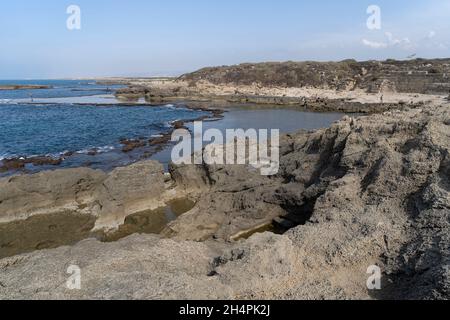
(214,66)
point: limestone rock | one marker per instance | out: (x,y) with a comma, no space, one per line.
(108,197)
(46,192)
(130,189)
(366,191)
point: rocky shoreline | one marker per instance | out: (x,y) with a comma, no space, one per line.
(315,104)
(24,87)
(19,163)
(347,86)
(369,190)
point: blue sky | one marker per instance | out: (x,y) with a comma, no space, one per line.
(169,37)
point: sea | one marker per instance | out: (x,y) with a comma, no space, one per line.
(78,116)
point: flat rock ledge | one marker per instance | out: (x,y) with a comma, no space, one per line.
(83,191)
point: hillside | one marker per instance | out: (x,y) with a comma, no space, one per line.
(419,75)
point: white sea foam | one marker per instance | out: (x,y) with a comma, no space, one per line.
(84,151)
(6,155)
(49,155)
(103,149)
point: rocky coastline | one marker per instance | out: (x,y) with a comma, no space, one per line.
(23,87)
(368,190)
(371,189)
(347,86)
(18,164)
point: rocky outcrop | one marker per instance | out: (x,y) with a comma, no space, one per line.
(132,144)
(128,190)
(370,190)
(107,197)
(418,76)
(23,87)
(132,93)
(48,192)
(14,164)
(346,86)
(234,199)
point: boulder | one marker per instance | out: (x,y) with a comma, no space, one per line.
(128,190)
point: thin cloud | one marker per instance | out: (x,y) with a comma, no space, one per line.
(404,43)
(374,45)
(432,41)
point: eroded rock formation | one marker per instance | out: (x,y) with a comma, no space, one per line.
(29,203)
(371,190)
